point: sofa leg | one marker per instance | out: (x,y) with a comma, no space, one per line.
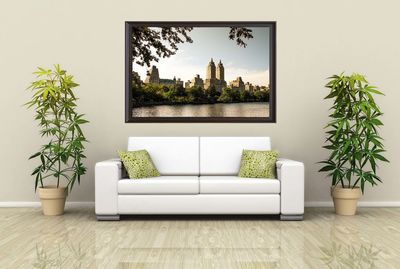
(292,217)
(107,217)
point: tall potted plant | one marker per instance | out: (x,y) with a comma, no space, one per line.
(61,157)
(352,139)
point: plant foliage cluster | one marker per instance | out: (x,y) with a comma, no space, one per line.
(155,94)
(352,134)
(55,110)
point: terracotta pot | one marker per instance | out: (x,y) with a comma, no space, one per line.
(345,200)
(53,200)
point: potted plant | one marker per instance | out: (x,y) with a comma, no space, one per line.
(61,157)
(352,139)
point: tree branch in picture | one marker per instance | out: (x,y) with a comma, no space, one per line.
(151,44)
(240,33)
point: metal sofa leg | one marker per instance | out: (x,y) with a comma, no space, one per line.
(291,217)
(107,217)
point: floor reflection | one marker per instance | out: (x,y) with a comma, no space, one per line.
(349,256)
(322,240)
(68,255)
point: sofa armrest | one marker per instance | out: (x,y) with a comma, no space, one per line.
(291,175)
(107,174)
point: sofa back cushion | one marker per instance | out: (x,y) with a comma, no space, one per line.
(222,155)
(171,155)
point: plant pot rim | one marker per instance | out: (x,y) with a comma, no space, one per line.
(47,187)
(346,193)
(346,187)
(52,192)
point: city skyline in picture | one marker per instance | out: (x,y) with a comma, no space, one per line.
(250,63)
(200,72)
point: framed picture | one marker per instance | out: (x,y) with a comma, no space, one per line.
(200,72)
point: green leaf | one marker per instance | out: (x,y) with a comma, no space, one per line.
(362,186)
(42,160)
(346,146)
(376,177)
(327,168)
(34,155)
(36,181)
(326,162)
(331,95)
(329,147)
(380,157)
(372,90)
(81,121)
(64,158)
(36,170)
(376,122)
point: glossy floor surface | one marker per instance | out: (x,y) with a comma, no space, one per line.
(323,240)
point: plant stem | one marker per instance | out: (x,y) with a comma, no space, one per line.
(59,144)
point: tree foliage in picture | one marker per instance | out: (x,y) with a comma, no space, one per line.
(352,134)
(151,94)
(151,44)
(54,103)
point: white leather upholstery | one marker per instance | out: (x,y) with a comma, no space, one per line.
(160,185)
(237,185)
(107,174)
(199,204)
(291,175)
(221,155)
(171,155)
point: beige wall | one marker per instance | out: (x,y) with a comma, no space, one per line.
(314,40)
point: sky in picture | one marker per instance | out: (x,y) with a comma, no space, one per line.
(251,63)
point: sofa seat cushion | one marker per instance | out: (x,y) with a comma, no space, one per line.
(238,185)
(160,185)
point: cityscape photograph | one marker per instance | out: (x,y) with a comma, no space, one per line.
(213,72)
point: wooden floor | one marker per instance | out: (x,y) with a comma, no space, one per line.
(323,240)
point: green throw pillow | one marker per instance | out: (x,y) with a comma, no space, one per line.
(258,164)
(138,164)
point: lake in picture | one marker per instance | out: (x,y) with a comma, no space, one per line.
(254,109)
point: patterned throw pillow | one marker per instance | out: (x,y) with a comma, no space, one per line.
(138,164)
(258,164)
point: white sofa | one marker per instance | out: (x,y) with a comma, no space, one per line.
(199,176)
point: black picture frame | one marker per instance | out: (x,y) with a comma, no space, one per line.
(272,71)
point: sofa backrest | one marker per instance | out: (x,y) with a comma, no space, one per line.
(171,155)
(222,155)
